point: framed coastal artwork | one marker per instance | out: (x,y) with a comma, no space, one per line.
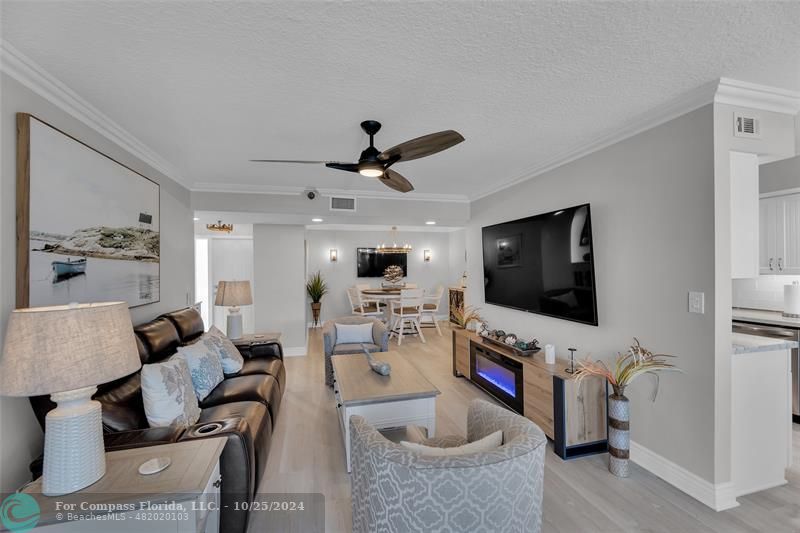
(88,227)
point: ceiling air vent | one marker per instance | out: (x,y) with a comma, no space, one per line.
(746,126)
(343,203)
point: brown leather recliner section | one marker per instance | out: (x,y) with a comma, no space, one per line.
(246,405)
(188,322)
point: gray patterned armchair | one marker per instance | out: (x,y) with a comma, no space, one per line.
(397,490)
(380,341)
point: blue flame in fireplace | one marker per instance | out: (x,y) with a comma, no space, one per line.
(500,378)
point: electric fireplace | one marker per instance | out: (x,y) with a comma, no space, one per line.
(498,375)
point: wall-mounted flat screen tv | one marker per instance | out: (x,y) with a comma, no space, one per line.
(543,264)
(371,264)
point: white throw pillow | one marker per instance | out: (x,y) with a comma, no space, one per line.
(205,367)
(354,333)
(486,444)
(230,357)
(169,398)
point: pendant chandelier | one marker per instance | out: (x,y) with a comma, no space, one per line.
(394,248)
(219,226)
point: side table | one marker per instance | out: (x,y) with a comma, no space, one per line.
(250,342)
(183,498)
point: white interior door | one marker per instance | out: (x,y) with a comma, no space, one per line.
(231,260)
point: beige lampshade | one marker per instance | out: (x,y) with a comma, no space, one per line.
(233,293)
(67,347)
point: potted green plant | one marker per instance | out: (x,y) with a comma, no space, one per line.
(637,361)
(316,289)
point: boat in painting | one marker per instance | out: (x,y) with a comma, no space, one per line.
(66,269)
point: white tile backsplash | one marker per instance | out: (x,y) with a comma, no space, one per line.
(764,292)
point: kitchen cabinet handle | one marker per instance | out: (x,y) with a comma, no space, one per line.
(770,263)
(780,264)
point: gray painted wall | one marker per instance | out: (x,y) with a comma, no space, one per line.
(652,199)
(23,443)
(279,282)
(780,175)
(343,273)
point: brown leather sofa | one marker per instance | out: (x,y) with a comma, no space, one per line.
(243,408)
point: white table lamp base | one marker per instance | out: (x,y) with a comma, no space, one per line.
(74,456)
(234,329)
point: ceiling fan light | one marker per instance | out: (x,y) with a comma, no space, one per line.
(371,172)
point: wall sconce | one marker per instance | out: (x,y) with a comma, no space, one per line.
(426,256)
(334,255)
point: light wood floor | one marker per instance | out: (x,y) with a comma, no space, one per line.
(579,495)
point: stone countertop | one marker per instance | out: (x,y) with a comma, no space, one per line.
(751,343)
(770,318)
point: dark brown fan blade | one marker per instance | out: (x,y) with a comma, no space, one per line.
(290,161)
(395,181)
(422,146)
(350,167)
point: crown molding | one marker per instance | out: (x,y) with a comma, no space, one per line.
(24,70)
(235,188)
(690,101)
(763,97)
(382,228)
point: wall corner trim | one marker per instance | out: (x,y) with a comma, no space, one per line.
(23,69)
(720,496)
(754,96)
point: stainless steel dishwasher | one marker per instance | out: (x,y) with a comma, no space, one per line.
(779,332)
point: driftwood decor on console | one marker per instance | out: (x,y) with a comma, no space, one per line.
(88,227)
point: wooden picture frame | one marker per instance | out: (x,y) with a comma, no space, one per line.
(111,259)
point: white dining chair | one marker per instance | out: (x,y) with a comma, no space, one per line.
(360,307)
(365,299)
(407,312)
(430,309)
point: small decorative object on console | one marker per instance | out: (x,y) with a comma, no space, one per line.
(510,340)
(380,367)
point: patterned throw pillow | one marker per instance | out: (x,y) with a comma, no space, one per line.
(205,367)
(486,444)
(232,360)
(169,398)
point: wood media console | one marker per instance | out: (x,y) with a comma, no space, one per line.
(573,417)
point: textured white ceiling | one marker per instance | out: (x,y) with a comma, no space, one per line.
(210,85)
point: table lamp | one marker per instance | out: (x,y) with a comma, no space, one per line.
(233,294)
(65,351)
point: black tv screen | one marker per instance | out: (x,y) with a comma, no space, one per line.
(372,264)
(543,264)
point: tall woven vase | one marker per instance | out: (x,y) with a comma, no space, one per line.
(619,438)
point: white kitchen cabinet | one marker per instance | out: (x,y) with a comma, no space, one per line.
(744,215)
(779,235)
(790,259)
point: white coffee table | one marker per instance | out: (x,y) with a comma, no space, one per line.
(405,397)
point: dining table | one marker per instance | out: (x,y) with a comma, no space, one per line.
(384,296)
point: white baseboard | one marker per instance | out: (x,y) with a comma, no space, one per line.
(294,351)
(718,496)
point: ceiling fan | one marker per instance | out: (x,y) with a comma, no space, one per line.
(375,164)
